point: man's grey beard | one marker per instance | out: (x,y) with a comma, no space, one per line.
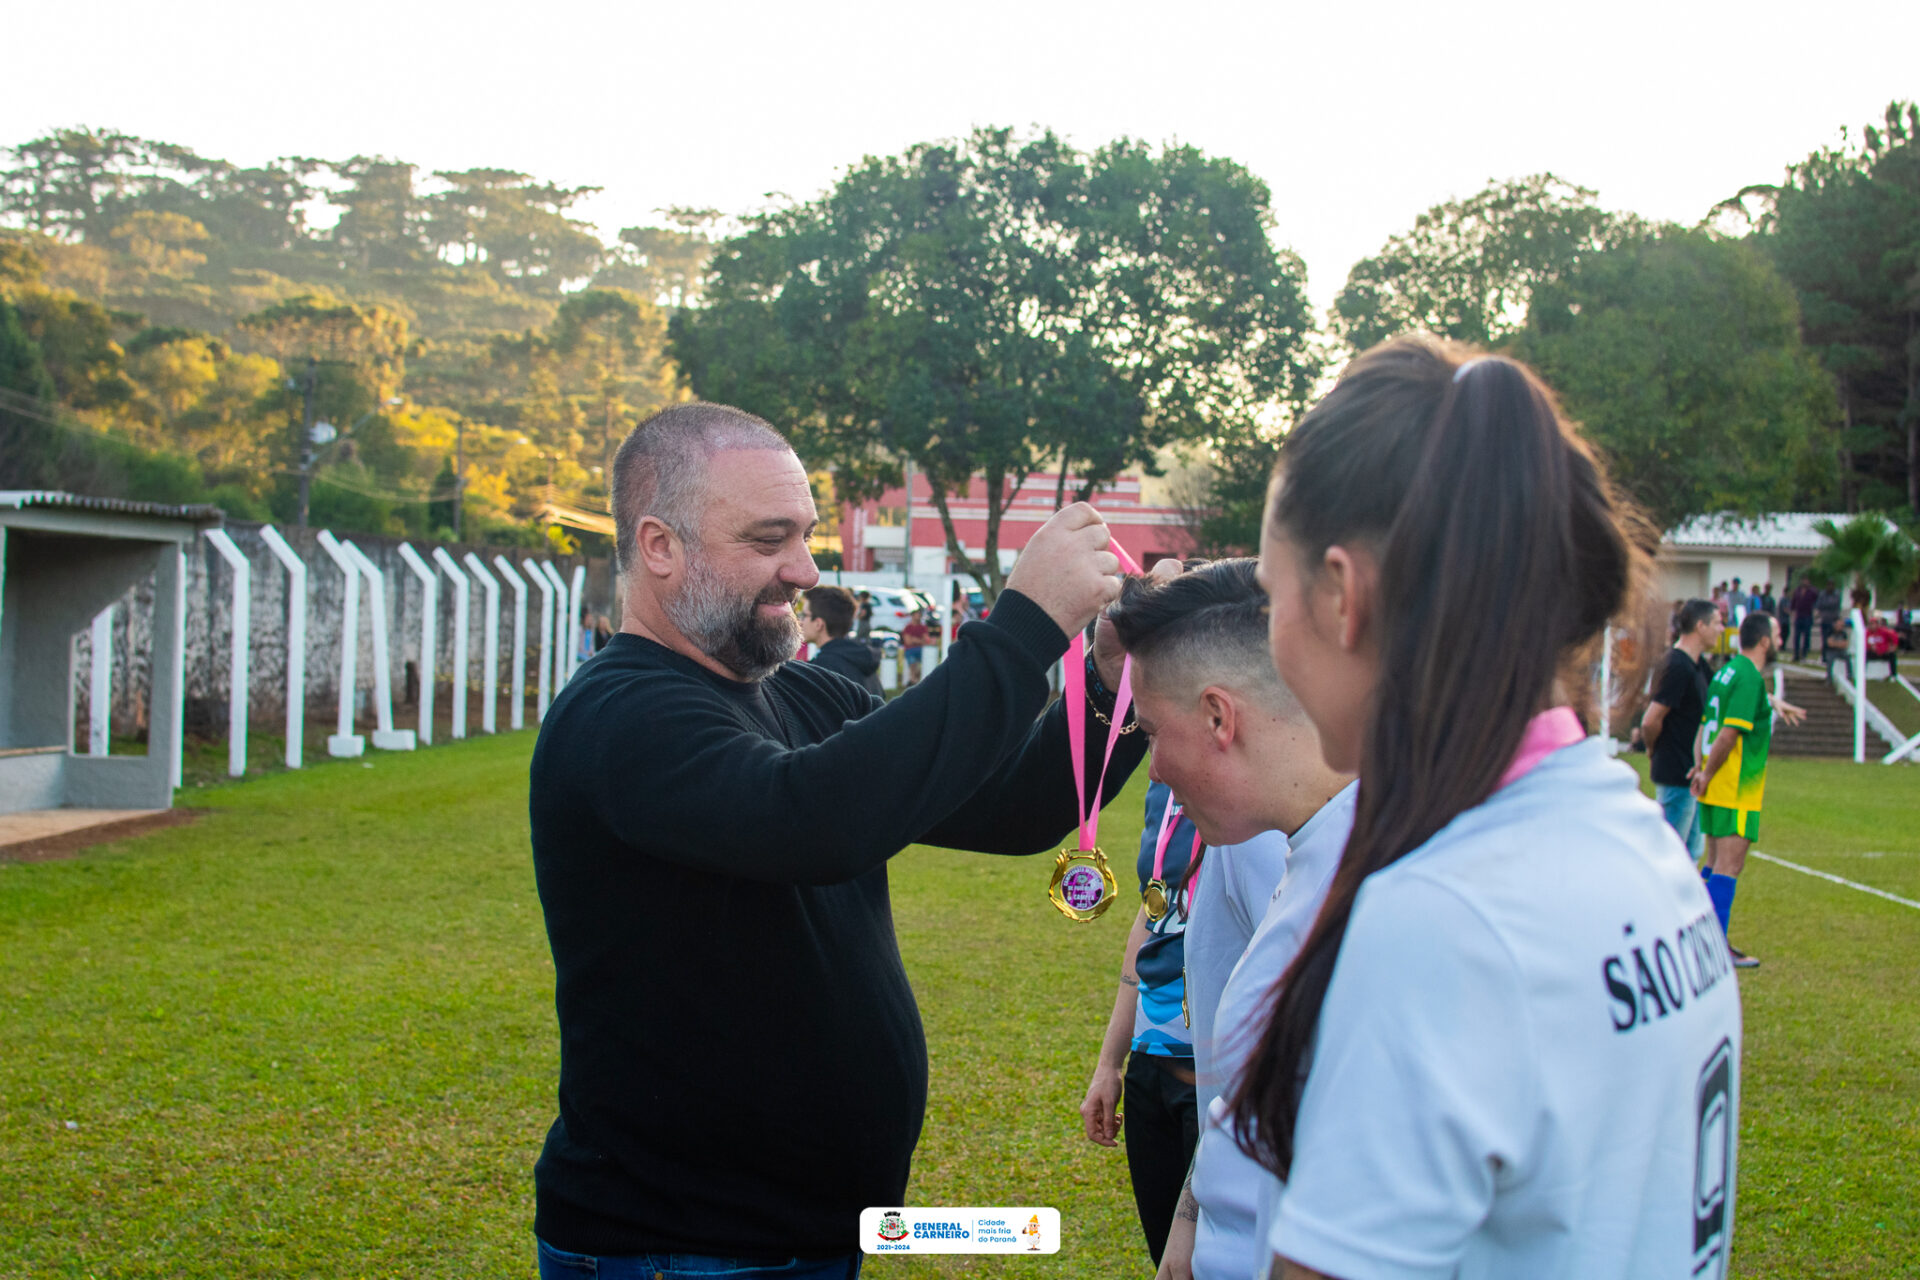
(729,628)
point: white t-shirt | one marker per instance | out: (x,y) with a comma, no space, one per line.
(1228,899)
(1228,1183)
(1528,1062)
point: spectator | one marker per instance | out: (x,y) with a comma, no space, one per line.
(583,636)
(1804,599)
(864,627)
(914,638)
(1737,600)
(602,632)
(1671,727)
(824,622)
(1827,608)
(1765,601)
(1883,642)
(1836,645)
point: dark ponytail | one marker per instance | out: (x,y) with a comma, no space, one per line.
(1503,553)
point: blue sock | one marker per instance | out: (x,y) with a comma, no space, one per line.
(1720,888)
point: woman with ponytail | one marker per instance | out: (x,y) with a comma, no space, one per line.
(1510,1045)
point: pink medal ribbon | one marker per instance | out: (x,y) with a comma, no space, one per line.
(1083,885)
(1155,897)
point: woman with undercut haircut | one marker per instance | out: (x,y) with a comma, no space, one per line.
(1510,1045)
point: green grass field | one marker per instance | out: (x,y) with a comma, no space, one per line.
(312,1035)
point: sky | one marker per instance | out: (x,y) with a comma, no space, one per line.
(1359,117)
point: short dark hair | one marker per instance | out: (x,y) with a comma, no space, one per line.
(834,606)
(1210,624)
(1692,614)
(1757,627)
(660,469)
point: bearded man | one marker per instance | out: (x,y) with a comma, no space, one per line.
(742,1066)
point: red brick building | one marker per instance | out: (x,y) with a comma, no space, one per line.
(875,536)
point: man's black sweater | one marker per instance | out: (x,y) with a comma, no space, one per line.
(742,1066)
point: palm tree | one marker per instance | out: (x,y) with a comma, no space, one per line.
(1870,550)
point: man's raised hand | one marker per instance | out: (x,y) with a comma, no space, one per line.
(1067,569)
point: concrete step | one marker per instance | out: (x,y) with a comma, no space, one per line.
(1828,729)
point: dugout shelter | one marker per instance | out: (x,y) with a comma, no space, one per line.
(63,558)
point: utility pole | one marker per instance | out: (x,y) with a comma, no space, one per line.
(306,440)
(906,559)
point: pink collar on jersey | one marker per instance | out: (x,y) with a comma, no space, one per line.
(1546,733)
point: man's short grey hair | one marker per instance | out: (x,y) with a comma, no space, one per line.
(1206,627)
(661,468)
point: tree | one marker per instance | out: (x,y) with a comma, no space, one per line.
(1680,353)
(22,370)
(1844,228)
(662,264)
(162,243)
(1872,553)
(983,307)
(1468,268)
(517,227)
(383,219)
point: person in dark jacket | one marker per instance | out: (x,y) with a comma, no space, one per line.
(824,624)
(743,1069)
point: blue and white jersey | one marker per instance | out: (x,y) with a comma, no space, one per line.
(1160,1021)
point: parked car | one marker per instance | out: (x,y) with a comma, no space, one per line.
(894,607)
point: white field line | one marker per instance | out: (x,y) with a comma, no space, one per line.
(1864,888)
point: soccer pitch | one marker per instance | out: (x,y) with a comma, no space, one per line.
(312,1035)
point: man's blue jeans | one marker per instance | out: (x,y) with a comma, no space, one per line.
(1683,815)
(558,1264)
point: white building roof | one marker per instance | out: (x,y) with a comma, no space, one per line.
(1779,531)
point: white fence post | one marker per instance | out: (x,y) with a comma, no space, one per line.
(517,713)
(490,644)
(1606,681)
(296,640)
(562,626)
(240,615)
(179,667)
(1859,653)
(578,589)
(458,684)
(344,741)
(100,688)
(429,635)
(545,583)
(385,736)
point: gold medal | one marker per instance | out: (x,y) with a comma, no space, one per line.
(1154,899)
(1083,885)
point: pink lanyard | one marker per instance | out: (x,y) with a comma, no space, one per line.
(1168,819)
(1073,681)
(1073,690)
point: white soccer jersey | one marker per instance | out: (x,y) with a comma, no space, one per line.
(1230,896)
(1528,1063)
(1229,1184)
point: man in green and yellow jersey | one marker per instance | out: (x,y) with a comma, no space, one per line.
(1732,780)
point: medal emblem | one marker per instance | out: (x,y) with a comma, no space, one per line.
(1154,899)
(1083,885)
